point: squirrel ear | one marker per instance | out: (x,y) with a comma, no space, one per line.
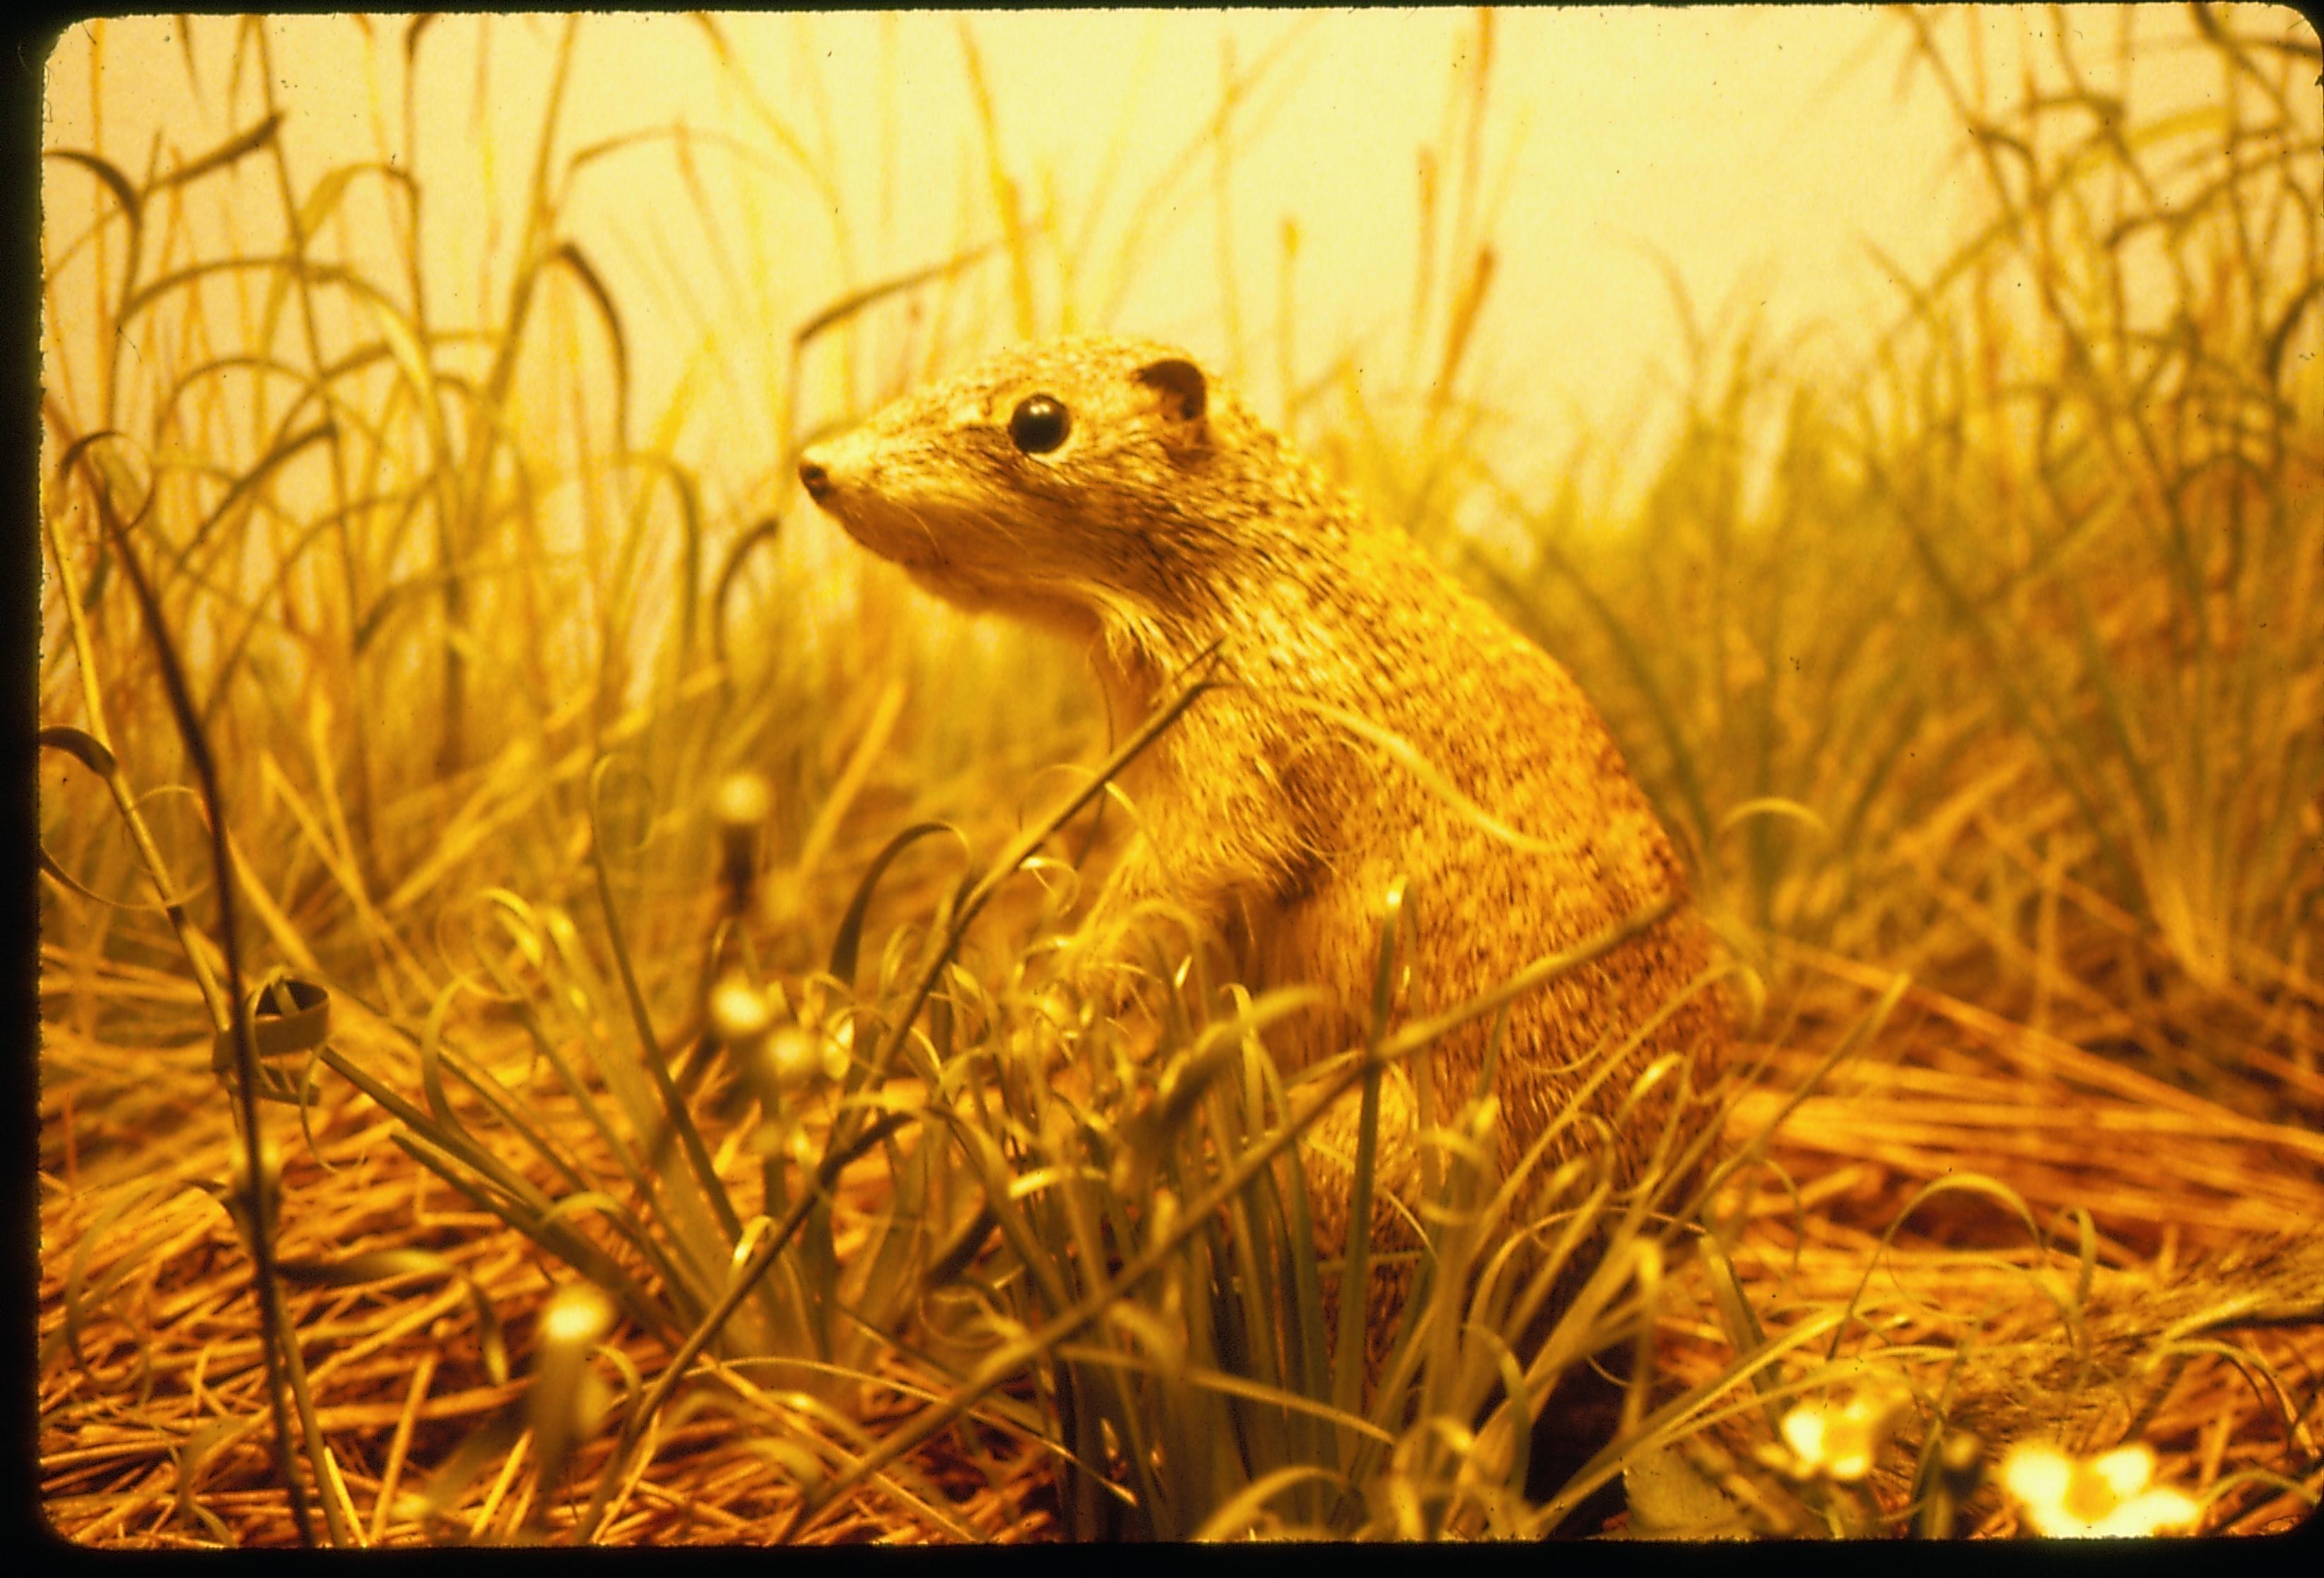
(1180,384)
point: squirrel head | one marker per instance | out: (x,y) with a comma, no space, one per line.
(1086,483)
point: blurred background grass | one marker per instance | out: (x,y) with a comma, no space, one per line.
(1921,472)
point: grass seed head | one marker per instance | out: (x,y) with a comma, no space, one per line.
(740,1014)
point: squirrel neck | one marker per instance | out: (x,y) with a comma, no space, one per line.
(1265,561)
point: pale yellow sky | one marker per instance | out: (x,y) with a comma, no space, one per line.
(1754,150)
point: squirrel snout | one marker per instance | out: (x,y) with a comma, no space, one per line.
(814,479)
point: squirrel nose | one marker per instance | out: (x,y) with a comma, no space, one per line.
(814,479)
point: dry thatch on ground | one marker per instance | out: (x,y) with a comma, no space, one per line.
(151,1402)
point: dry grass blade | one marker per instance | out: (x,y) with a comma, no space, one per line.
(239,147)
(1412,1039)
(255,1194)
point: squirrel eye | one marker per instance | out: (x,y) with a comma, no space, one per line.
(1038,424)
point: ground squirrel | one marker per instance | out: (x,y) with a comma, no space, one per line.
(1112,492)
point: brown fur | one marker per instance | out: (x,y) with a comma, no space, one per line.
(1171,519)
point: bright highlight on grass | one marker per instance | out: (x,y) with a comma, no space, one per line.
(1842,1441)
(2111,1496)
(576,1316)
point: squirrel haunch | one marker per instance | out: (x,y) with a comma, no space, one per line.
(1110,491)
